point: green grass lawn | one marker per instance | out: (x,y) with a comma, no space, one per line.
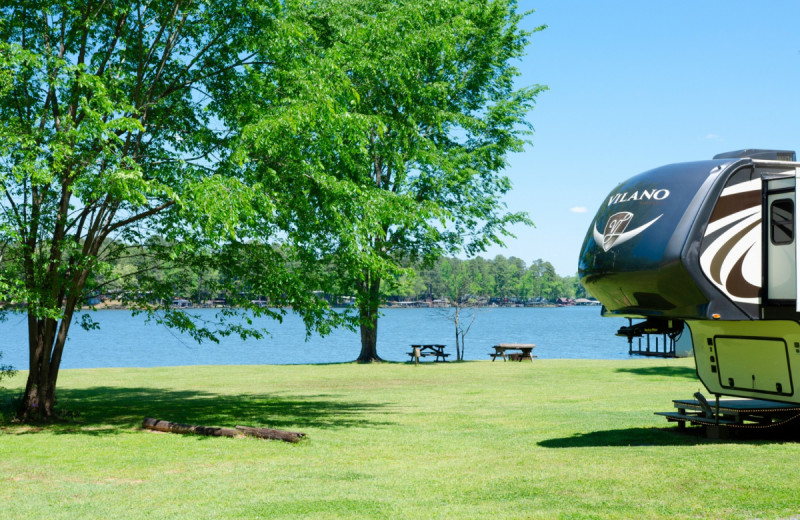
(553,439)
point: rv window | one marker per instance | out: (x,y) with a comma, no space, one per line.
(782,221)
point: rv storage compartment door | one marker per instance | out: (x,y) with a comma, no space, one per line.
(753,364)
(780,274)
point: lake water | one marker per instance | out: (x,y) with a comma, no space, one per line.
(126,341)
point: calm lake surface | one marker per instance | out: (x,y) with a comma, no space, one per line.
(126,341)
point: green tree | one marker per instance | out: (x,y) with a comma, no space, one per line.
(544,279)
(508,275)
(501,269)
(551,282)
(481,273)
(525,285)
(418,107)
(117,122)
(410,285)
(573,287)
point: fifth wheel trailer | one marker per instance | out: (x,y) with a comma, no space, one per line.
(710,249)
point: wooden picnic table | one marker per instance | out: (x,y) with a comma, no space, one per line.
(426,350)
(519,351)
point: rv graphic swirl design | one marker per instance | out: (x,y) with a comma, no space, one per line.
(614,233)
(731,249)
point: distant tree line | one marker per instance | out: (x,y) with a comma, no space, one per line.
(499,279)
(478,280)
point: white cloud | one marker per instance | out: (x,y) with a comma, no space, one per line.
(714,137)
(578,209)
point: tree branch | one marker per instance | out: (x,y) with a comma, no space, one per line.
(140,216)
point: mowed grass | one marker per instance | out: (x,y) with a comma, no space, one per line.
(552,439)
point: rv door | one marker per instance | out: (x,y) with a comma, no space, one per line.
(780,245)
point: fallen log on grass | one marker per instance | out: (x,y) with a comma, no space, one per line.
(262,433)
(269,433)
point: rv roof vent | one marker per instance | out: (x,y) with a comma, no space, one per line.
(769,155)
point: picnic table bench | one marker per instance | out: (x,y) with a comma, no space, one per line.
(518,351)
(428,350)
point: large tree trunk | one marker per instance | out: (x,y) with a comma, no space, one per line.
(38,401)
(46,338)
(369,342)
(369,303)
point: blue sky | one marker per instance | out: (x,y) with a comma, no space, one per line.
(638,84)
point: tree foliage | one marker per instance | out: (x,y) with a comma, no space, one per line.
(261,148)
(413,102)
(119,125)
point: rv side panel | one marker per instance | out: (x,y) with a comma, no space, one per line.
(756,359)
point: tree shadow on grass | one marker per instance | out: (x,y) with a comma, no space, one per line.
(666,371)
(106,410)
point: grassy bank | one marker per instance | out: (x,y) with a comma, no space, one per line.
(552,439)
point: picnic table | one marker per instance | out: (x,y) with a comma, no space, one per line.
(428,350)
(518,351)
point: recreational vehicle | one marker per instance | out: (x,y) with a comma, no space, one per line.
(708,249)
